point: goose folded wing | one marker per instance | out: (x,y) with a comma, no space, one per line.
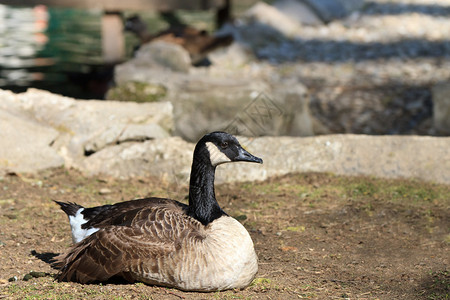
(119,250)
(124,213)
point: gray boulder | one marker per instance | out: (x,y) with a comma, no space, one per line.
(167,158)
(87,126)
(117,134)
(251,103)
(26,145)
(425,158)
(247,107)
(294,98)
(57,130)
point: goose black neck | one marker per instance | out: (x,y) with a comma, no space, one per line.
(203,205)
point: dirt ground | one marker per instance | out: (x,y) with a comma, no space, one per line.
(317,236)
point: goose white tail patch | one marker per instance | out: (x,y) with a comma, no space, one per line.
(79,234)
(216,156)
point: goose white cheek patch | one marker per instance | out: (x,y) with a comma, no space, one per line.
(217,157)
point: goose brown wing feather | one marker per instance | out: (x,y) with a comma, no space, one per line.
(153,234)
(124,212)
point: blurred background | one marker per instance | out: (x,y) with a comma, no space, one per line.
(372,67)
(59,49)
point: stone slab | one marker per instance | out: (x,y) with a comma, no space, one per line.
(412,157)
(420,157)
(26,145)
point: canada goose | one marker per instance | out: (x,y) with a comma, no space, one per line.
(195,247)
(198,43)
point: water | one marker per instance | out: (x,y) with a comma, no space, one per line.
(59,49)
(54,49)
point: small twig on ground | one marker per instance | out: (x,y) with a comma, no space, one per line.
(172,293)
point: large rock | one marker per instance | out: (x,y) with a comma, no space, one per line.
(250,103)
(116,140)
(88,126)
(294,98)
(241,106)
(236,93)
(425,158)
(167,158)
(72,129)
(26,145)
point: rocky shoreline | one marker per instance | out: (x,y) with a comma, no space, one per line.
(126,140)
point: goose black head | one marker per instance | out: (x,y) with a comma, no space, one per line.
(221,147)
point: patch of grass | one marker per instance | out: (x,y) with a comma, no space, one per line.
(261,282)
(343,188)
(447,239)
(230,295)
(368,208)
(296,228)
(269,188)
(416,193)
(48,289)
(397,191)
(137,92)
(359,189)
(437,285)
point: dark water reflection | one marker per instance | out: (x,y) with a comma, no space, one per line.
(54,49)
(59,49)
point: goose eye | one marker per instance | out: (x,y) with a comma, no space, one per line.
(224,145)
